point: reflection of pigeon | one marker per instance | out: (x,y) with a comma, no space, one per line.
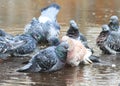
(50,59)
(46,27)
(114,23)
(77,52)
(109,41)
(74,33)
(7,47)
(28,47)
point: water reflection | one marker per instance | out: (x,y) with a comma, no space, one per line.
(15,14)
(66,77)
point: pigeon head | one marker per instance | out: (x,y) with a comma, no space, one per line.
(61,50)
(63,46)
(114,23)
(105,27)
(73,29)
(68,40)
(114,19)
(73,24)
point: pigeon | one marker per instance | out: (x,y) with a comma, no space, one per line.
(7,47)
(36,30)
(50,59)
(5,34)
(46,27)
(26,49)
(108,41)
(74,33)
(48,17)
(114,23)
(77,52)
(41,32)
(50,13)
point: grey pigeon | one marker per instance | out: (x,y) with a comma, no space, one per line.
(114,23)
(36,30)
(108,40)
(7,47)
(23,50)
(26,49)
(45,27)
(49,59)
(74,33)
(50,13)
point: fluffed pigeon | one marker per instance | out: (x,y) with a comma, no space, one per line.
(46,26)
(77,52)
(108,41)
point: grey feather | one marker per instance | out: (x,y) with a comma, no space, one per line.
(47,60)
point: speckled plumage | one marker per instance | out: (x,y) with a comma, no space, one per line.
(29,46)
(50,59)
(6,35)
(7,47)
(48,18)
(74,33)
(45,28)
(109,41)
(42,32)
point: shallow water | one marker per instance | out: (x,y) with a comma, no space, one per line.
(90,15)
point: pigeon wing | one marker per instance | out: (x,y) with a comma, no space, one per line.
(46,59)
(50,11)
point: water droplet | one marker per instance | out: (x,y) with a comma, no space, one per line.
(93,13)
(113,65)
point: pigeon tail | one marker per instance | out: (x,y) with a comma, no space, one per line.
(30,67)
(73,24)
(49,12)
(94,59)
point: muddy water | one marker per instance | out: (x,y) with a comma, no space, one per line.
(90,15)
